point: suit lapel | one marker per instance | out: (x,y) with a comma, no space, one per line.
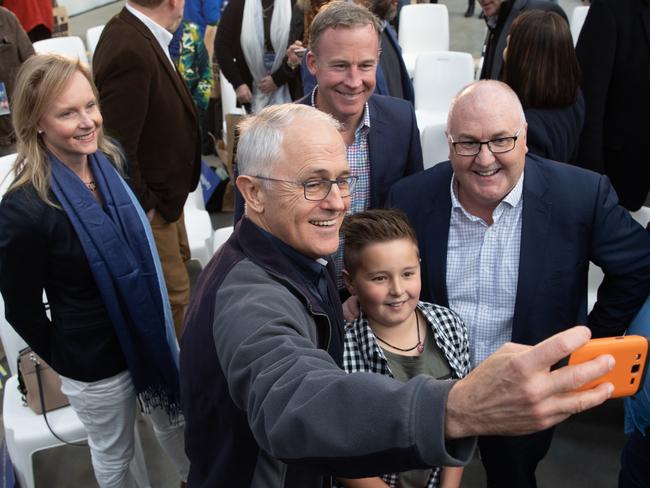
(435,247)
(175,77)
(432,227)
(534,234)
(378,152)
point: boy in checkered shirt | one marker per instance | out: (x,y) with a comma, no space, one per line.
(396,334)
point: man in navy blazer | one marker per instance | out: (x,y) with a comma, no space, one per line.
(344,56)
(506,239)
(381,133)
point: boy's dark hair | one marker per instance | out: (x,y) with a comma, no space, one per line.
(365,228)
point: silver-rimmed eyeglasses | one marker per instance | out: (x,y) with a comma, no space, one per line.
(317,189)
(496,146)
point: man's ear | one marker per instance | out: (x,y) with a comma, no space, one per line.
(450,147)
(311,62)
(252,192)
(347,280)
(525,136)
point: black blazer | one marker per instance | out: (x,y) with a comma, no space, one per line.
(614,54)
(40,250)
(554,133)
(147,107)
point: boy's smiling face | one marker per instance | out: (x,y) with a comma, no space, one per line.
(387,281)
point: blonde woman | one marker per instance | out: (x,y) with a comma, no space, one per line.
(69,225)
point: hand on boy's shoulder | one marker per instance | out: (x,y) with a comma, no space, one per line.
(351,309)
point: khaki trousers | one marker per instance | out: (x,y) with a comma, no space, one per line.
(174,251)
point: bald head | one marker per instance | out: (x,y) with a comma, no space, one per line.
(481,98)
(487,145)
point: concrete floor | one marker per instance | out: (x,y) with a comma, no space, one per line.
(585,449)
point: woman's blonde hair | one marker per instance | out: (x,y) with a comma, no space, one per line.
(40,80)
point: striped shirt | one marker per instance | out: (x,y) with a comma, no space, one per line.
(482,270)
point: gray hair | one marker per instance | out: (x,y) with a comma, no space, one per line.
(493,85)
(261,135)
(341,14)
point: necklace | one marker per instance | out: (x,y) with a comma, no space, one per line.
(419,345)
(91,185)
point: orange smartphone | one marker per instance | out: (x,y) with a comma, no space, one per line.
(630,353)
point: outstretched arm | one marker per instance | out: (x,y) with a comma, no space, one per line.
(514,392)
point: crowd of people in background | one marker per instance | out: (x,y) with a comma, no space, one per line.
(368,323)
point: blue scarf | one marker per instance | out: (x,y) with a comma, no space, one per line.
(120,249)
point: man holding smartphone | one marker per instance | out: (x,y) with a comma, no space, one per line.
(265,399)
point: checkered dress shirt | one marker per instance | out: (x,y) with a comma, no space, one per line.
(359,161)
(482,270)
(362,353)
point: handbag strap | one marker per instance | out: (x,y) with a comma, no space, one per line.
(37,368)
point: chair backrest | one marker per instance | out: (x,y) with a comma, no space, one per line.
(435,148)
(6,162)
(424,27)
(439,76)
(221,236)
(577,19)
(642,216)
(228,101)
(92,38)
(71,46)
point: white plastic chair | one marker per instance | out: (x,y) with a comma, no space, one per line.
(228,102)
(577,20)
(70,46)
(6,162)
(435,148)
(642,216)
(92,38)
(221,236)
(439,76)
(596,275)
(423,27)
(26,432)
(199,227)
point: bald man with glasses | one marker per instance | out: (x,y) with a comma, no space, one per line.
(506,239)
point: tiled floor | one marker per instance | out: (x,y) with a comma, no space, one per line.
(585,450)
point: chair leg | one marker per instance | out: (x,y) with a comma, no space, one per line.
(24,469)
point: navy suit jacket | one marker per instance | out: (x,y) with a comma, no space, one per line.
(570,216)
(393,145)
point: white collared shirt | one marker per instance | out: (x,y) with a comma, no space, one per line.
(162,35)
(482,270)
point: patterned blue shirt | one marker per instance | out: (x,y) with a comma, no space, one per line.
(482,270)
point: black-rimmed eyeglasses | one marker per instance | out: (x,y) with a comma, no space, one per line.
(496,146)
(318,189)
